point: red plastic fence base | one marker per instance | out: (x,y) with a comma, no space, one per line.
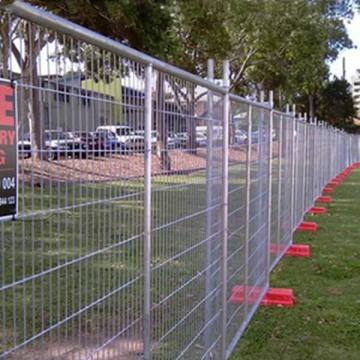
(298,251)
(327,190)
(278,297)
(273,297)
(316,210)
(307,226)
(324,199)
(333,183)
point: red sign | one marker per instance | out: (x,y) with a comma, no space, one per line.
(8,150)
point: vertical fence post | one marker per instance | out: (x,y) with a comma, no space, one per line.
(147,209)
(225,169)
(209,203)
(247,207)
(280,175)
(293,180)
(270,153)
(304,152)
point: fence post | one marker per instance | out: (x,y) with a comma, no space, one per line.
(147,209)
(247,207)
(294,139)
(209,203)
(280,175)
(270,153)
(304,164)
(225,168)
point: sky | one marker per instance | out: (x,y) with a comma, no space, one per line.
(352,56)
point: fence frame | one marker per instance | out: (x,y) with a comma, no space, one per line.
(313,179)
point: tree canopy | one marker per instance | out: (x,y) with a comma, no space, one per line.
(279,45)
(336,105)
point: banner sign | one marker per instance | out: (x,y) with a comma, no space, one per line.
(8,150)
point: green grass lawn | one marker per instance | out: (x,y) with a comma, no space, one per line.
(325,323)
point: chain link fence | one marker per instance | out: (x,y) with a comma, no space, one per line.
(145,194)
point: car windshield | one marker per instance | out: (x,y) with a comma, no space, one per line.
(105,135)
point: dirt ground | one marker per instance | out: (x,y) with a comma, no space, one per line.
(117,167)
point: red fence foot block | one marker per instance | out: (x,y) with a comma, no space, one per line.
(298,251)
(273,297)
(317,210)
(327,190)
(324,199)
(307,226)
(278,297)
(333,184)
(340,178)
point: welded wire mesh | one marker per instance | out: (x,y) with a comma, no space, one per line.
(130,241)
(186,206)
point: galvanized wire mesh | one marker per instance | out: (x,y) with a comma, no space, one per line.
(130,237)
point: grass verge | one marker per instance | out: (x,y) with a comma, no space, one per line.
(325,323)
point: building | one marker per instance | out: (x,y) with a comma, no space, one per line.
(355,86)
(63,105)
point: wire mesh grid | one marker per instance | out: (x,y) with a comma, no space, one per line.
(130,237)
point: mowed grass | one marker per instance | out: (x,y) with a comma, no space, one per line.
(325,323)
(97,286)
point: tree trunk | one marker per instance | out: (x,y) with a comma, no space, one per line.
(32,93)
(4,60)
(191,124)
(161,126)
(311,108)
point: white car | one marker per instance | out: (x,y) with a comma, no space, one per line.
(141,133)
(126,138)
(240,136)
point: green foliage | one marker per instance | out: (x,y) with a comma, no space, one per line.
(279,45)
(333,104)
(142,24)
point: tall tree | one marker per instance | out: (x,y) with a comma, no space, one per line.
(335,104)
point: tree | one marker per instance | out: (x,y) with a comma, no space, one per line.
(335,104)
(141,24)
(277,45)
(24,41)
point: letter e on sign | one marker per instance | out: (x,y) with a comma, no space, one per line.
(6,105)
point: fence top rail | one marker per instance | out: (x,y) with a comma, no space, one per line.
(238,98)
(57,23)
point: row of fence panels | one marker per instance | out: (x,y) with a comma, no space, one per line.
(145,196)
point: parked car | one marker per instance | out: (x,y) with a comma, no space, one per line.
(181,140)
(124,136)
(95,143)
(240,136)
(63,144)
(201,140)
(103,142)
(141,133)
(171,143)
(24,147)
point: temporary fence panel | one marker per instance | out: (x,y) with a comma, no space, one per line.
(146,194)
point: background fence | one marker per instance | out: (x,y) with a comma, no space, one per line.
(145,195)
